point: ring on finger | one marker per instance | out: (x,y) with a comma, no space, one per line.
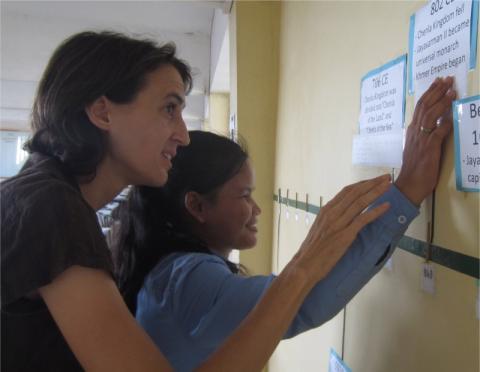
(426,130)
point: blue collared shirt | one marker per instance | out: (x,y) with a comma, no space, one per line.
(190,303)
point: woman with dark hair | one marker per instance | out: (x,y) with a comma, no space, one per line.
(174,241)
(108,113)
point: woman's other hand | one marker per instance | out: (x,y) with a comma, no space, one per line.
(431,124)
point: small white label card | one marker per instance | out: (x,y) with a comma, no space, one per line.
(428,278)
(466,127)
(382,92)
(442,42)
(336,364)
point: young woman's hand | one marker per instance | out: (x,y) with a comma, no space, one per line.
(337,225)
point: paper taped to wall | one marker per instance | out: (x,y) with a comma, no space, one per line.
(378,149)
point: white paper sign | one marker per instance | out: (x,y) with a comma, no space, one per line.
(378,149)
(382,116)
(428,278)
(336,364)
(441,45)
(466,116)
(382,104)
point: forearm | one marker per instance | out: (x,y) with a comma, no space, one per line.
(365,257)
(250,346)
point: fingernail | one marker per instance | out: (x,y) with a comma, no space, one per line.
(451,93)
(449,79)
(437,80)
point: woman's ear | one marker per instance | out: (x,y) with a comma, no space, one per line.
(195,205)
(97,112)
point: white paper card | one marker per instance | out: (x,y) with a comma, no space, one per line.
(466,116)
(440,44)
(383,98)
(336,364)
(378,149)
(428,278)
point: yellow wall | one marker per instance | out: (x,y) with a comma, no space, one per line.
(218,113)
(254,102)
(391,325)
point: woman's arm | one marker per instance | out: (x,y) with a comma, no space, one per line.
(97,325)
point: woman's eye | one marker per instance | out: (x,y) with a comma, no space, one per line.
(170,108)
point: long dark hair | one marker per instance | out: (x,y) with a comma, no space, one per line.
(83,68)
(154,221)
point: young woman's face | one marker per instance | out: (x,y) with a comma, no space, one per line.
(231,219)
(146,132)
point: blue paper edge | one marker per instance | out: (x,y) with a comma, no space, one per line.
(473,34)
(393,62)
(340,360)
(383,67)
(456,137)
(410,54)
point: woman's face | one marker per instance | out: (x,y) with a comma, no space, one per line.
(231,219)
(146,132)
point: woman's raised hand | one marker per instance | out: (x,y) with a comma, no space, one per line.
(337,225)
(431,124)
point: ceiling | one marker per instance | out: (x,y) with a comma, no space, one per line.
(30,31)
